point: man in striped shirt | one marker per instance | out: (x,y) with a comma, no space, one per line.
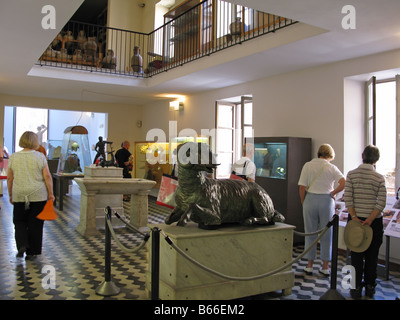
(365,198)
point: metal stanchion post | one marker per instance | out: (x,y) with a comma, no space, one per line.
(332,293)
(155,263)
(108,287)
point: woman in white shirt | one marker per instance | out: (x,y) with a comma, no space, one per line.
(317,192)
(29,185)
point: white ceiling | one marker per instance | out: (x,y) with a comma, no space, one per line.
(23,40)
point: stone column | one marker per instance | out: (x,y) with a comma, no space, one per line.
(87,223)
(139,210)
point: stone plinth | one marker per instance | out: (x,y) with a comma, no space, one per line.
(234,251)
(103,200)
(99,172)
(101,183)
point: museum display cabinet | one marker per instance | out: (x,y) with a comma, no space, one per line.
(279,161)
(175,142)
(75,151)
(153,159)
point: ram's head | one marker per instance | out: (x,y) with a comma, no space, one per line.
(196,156)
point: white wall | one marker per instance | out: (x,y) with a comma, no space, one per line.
(125,14)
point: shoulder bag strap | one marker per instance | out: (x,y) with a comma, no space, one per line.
(316,177)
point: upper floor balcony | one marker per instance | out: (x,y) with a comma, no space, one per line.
(191,31)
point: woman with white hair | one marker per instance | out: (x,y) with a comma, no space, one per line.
(317,191)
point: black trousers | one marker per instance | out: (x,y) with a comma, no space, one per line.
(366,262)
(28,228)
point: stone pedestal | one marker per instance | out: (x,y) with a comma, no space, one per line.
(103,200)
(103,187)
(139,211)
(234,251)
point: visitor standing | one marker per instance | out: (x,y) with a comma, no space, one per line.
(30,185)
(365,198)
(123,158)
(317,191)
(245,167)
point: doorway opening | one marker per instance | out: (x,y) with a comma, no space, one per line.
(49,125)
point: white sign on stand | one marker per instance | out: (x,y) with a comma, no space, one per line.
(391,217)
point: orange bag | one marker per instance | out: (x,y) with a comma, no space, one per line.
(48,212)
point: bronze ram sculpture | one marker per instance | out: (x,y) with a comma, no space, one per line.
(212,202)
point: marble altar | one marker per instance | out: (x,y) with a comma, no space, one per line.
(234,250)
(101,187)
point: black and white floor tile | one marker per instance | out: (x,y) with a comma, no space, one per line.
(78,263)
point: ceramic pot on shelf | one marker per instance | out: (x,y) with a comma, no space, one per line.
(109,61)
(137,60)
(50,53)
(77,57)
(56,44)
(236,27)
(69,40)
(81,38)
(64,55)
(90,49)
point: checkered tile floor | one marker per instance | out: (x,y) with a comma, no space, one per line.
(79,263)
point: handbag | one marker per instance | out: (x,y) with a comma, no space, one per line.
(166,194)
(48,212)
(235,176)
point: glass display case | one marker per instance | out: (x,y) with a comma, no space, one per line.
(270,159)
(54,149)
(279,161)
(75,151)
(175,142)
(152,160)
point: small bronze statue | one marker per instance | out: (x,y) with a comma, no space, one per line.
(100,149)
(101,154)
(212,202)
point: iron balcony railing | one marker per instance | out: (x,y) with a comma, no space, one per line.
(205,28)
